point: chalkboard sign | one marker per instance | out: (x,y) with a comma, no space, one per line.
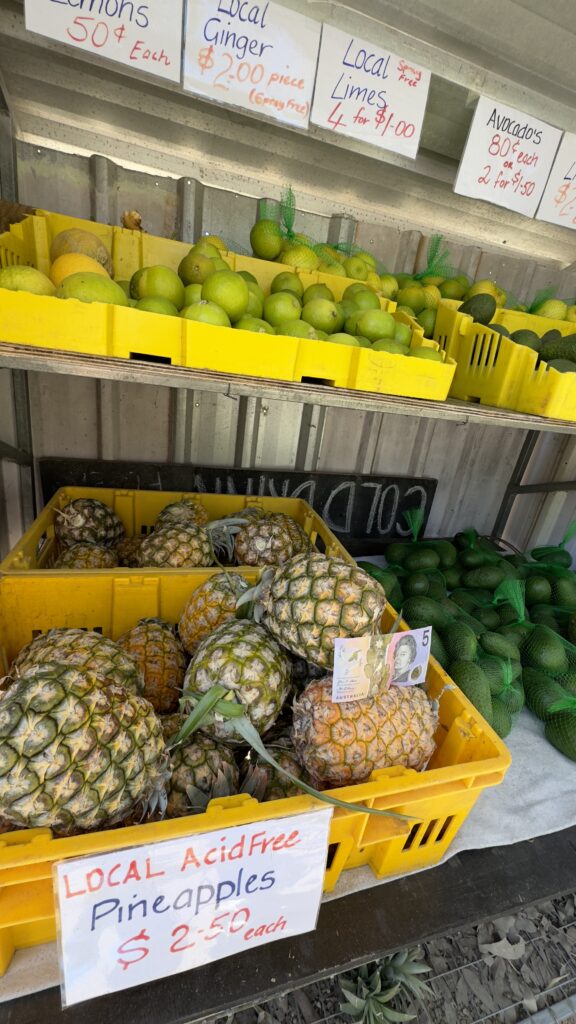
(363,511)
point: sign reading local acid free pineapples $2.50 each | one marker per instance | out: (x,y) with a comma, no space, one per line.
(146,912)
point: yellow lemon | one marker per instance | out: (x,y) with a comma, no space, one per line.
(215,240)
(432,296)
(74,263)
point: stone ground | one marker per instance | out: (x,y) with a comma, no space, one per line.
(502,972)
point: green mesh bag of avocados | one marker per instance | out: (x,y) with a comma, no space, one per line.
(556,554)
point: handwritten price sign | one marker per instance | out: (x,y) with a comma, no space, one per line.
(259,56)
(507,158)
(138,914)
(369,93)
(558,205)
(145,36)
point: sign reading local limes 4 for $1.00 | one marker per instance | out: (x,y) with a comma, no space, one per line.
(133,915)
(366,665)
(260,56)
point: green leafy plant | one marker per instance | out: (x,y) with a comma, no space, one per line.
(369,990)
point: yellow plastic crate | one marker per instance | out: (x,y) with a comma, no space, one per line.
(468,759)
(121,332)
(494,370)
(138,511)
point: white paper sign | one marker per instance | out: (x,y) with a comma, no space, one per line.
(366,665)
(147,912)
(147,36)
(369,93)
(507,158)
(558,205)
(259,56)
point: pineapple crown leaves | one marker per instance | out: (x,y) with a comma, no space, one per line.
(414,520)
(222,702)
(221,533)
(541,296)
(370,989)
(437,260)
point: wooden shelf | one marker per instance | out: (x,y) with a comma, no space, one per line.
(25,357)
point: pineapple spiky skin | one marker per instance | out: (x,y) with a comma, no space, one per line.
(186,512)
(248,662)
(340,744)
(311,600)
(176,547)
(88,521)
(161,660)
(75,755)
(85,650)
(269,540)
(87,556)
(202,770)
(265,783)
(128,551)
(209,606)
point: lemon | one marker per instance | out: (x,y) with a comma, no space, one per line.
(432,296)
(301,256)
(74,263)
(205,248)
(552,309)
(356,267)
(161,283)
(157,306)
(76,240)
(332,268)
(412,296)
(287,282)
(367,257)
(373,280)
(323,315)
(375,324)
(88,287)
(297,329)
(485,287)
(255,305)
(247,276)
(452,289)
(353,289)
(266,239)
(433,279)
(216,241)
(317,291)
(571,314)
(427,320)
(206,313)
(345,339)
(254,324)
(365,300)
(192,293)
(280,307)
(195,268)
(500,297)
(26,279)
(388,286)
(229,291)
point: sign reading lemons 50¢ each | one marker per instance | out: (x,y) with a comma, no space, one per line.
(558,205)
(259,56)
(369,93)
(146,36)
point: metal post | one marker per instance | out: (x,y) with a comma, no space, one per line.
(511,492)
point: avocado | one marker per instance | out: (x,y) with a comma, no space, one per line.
(553,335)
(500,329)
(460,641)
(544,650)
(487,577)
(562,365)
(474,684)
(559,348)
(528,338)
(424,609)
(501,718)
(480,307)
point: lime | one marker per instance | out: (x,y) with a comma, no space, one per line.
(322,336)
(345,339)
(373,280)
(247,276)
(402,333)
(356,267)
(229,291)
(196,268)
(332,268)
(125,286)
(351,323)
(363,342)
(432,296)
(215,240)
(407,310)
(134,282)
(220,264)
(301,256)
(388,286)
(161,283)
(206,313)
(266,239)
(404,280)
(484,287)
(452,289)
(427,353)
(192,293)
(297,329)
(323,315)
(354,289)
(317,291)
(280,307)
(26,279)
(365,300)
(91,288)
(254,324)
(255,305)
(429,279)
(395,348)
(287,282)
(347,307)
(412,296)
(571,314)
(367,257)
(427,320)
(205,248)
(375,324)
(553,309)
(157,306)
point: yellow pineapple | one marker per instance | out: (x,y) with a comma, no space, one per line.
(161,660)
(210,605)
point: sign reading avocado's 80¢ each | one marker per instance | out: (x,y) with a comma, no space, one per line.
(147,912)
(146,35)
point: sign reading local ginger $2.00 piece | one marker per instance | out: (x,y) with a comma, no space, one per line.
(146,35)
(133,915)
(256,55)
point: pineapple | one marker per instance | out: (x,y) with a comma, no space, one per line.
(269,540)
(201,771)
(87,556)
(311,600)
(161,660)
(76,755)
(84,649)
(87,520)
(178,547)
(245,659)
(341,744)
(210,605)
(186,512)
(127,551)
(264,783)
